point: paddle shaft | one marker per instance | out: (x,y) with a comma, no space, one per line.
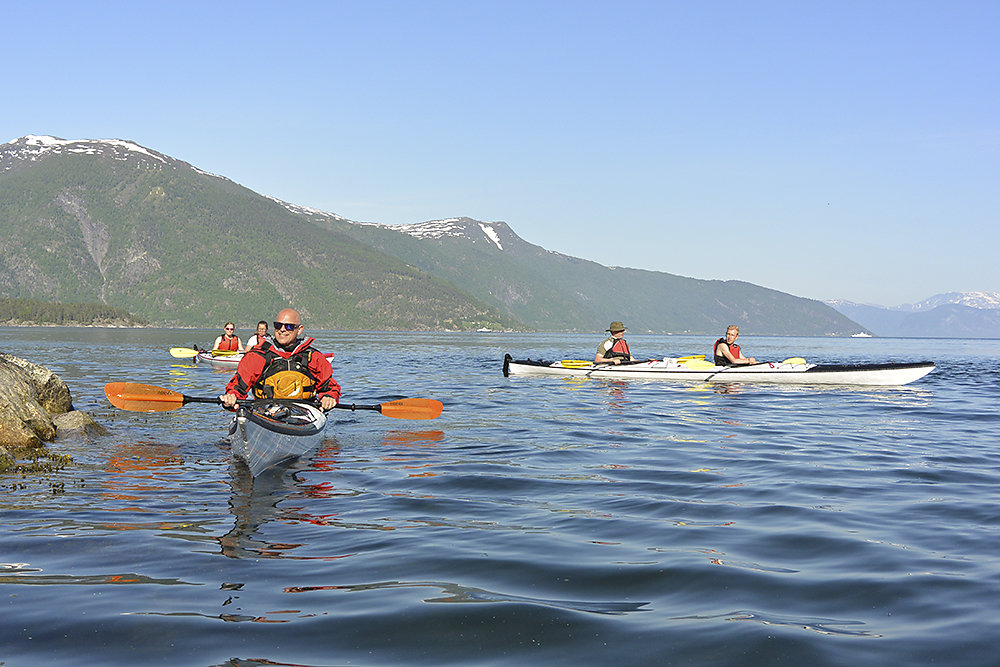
(625,363)
(201,399)
(725,368)
(188,353)
(354,406)
(185,399)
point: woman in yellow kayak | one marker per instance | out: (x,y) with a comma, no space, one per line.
(228,341)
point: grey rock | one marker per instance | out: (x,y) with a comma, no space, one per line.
(30,395)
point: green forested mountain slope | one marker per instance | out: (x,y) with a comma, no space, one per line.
(550,291)
(114,223)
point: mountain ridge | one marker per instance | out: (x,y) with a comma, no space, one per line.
(946,315)
(547,289)
(114,222)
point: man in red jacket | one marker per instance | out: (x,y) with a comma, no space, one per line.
(288,368)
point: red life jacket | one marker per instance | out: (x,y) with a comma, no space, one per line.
(618,349)
(229,343)
(721,360)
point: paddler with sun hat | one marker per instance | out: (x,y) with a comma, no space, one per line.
(614,348)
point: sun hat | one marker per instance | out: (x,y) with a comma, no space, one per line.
(616,326)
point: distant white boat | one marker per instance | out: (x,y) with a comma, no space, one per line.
(861,335)
(484,330)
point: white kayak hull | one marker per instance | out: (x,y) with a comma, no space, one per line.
(265,433)
(229,361)
(884,375)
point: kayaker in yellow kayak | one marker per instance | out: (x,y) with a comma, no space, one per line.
(228,341)
(614,348)
(727,352)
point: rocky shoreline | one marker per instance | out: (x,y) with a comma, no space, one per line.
(35,406)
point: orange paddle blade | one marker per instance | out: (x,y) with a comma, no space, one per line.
(142,397)
(412,408)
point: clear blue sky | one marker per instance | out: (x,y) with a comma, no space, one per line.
(842,149)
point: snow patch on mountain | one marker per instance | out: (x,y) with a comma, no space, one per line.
(981,300)
(32,147)
(491,234)
(433,229)
(305,210)
(464,228)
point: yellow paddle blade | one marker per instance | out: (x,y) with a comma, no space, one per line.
(225,353)
(575,363)
(142,397)
(412,408)
(798,361)
(690,357)
(183,352)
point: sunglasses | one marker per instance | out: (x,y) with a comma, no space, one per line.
(287,326)
(229,328)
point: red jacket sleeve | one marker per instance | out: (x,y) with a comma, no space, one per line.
(322,372)
(250,368)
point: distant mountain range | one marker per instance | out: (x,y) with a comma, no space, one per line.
(949,315)
(113,222)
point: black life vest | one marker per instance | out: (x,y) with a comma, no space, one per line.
(720,360)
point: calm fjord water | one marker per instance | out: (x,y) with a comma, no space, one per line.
(537,521)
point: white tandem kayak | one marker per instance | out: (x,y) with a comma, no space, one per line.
(217,360)
(264,433)
(694,370)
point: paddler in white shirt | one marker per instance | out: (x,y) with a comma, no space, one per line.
(260,337)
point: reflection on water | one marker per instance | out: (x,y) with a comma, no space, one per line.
(253,503)
(455,593)
(827,626)
(412,438)
(271,496)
